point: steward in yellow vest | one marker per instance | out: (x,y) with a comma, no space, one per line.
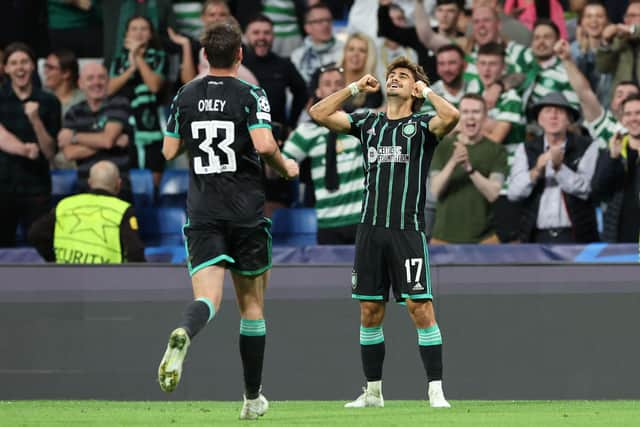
(90,228)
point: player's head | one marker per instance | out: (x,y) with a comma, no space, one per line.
(104,175)
(222,44)
(622,91)
(93,81)
(450,64)
(490,62)
(631,115)
(259,34)
(402,75)
(19,64)
(326,80)
(473,112)
(215,11)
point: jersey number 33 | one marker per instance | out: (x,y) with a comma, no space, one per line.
(214,163)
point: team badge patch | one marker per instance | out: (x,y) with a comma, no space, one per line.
(372,155)
(409,130)
(354,280)
(263,102)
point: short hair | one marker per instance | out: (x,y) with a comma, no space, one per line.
(18,47)
(631,98)
(68,62)
(627,83)
(260,17)
(451,48)
(315,77)
(418,75)
(475,97)
(546,22)
(492,48)
(319,5)
(459,3)
(215,3)
(592,3)
(221,42)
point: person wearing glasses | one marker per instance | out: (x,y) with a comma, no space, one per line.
(320,46)
(61,78)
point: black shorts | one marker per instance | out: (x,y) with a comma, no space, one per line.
(390,258)
(245,250)
(153,158)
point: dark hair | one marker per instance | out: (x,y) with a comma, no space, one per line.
(459,3)
(154,41)
(221,42)
(319,5)
(451,47)
(475,97)
(314,82)
(628,83)
(631,98)
(215,3)
(18,47)
(592,3)
(68,62)
(418,75)
(547,22)
(259,18)
(492,48)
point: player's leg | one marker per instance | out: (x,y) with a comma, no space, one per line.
(412,281)
(207,258)
(369,285)
(252,251)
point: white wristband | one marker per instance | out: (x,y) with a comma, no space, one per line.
(353,87)
(426,91)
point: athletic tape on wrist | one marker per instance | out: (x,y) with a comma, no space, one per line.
(353,87)
(425,92)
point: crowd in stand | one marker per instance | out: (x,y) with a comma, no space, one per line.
(548,93)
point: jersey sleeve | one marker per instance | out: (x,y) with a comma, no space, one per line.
(173,121)
(357,119)
(259,109)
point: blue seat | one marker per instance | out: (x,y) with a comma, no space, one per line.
(162,226)
(295,227)
(141,187)
(63,183)
(173,188)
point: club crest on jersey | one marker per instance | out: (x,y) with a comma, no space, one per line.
(409,130)
(263,102)
(372,155)
(354,279)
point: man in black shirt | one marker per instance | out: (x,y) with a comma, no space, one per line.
(225,126)
(391,247)
(29,122)
(98,129)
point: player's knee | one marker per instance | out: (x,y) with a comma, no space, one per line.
(371,314)
(422,313)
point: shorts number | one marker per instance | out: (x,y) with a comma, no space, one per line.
(211,128)
(411,262)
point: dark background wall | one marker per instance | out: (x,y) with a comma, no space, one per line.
(510,332)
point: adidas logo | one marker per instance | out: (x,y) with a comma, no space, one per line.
(417,287)
(372,131)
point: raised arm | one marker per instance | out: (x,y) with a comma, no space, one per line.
(326,111)
(446,114)
(426,35)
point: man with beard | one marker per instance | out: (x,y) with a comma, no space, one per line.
(452,85)
(466,176)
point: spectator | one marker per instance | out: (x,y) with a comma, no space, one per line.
(452,85)
(76,25)
(91,228)
(552,176)
(545,73)
(336,167)
(617,178)
(98,129)
(116,15)
(187,13)
(61,78)
(29,121)
(592,21)
(529,11)
(466,176)
(504,125)
(319,46)
(138,74)
(388,50)
(359,59)
(620,48)
(2,75)
(287,17)
(277,75)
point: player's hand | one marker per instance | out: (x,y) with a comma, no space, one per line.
(556,153)
(368,84)
(64,137)
(291,169)
(31,109)
(32,151)
(562,50)
(418,87)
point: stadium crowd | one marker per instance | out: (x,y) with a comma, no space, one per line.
(548,92)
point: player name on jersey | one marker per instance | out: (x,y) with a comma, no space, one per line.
(211,105)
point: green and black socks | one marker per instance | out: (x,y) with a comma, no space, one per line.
(430,344)
(252,343)
(372,351)
(197,314)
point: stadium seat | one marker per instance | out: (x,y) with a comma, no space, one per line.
(64,183)
(294,227)
(162,226)
(173,188)
(141,187)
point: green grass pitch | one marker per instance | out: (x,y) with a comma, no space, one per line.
(321,413)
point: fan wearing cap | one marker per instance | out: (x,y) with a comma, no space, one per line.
(552,176)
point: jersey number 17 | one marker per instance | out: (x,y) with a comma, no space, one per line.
(213,162)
